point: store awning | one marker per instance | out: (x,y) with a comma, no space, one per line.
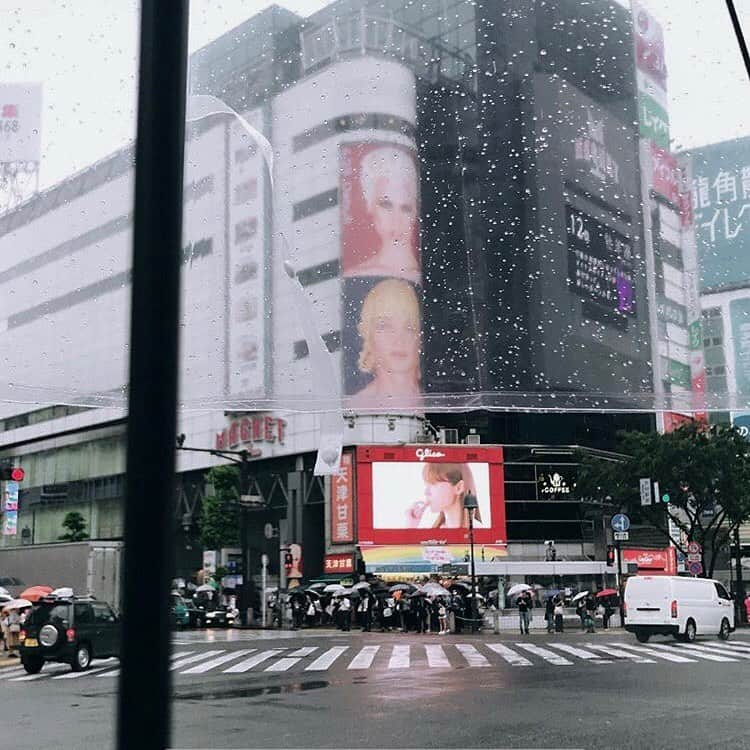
(416,558)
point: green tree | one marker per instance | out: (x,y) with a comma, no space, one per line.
(220,517)
(705,472)
(75,524)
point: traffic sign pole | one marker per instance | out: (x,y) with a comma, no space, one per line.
(618,546)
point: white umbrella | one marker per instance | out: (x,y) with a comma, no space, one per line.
(17,604)
(333,588)
(517,588)
(361,585)
(579,595)
(4,591)
(204,587)
(435,589)
(64,592)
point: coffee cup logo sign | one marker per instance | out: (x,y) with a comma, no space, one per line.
(248,431)
(554,484)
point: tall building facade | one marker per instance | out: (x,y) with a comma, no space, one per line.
(454,179)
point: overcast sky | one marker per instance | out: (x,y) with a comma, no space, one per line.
(85,52)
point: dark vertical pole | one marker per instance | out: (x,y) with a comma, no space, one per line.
(740,584)
(144,695)
(473,573)
(620,586)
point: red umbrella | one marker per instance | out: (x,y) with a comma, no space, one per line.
(606,592)
(35,593)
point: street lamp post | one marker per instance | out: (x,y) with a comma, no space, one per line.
(470,505)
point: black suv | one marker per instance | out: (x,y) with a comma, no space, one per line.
(71,630)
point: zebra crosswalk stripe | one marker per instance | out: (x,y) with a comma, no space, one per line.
(47,673)
(617,652)
(717,649)
(472,656)
(400,658)
(581,653)
(364,659)
(654,652)
(436,657)
(253,661)
(699,654)
(509,655)
(549,656)
(218,661)
(736,646)
(180,663)
(289,661)
(326,659)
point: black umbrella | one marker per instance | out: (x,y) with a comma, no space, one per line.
(298,592)
(460,585)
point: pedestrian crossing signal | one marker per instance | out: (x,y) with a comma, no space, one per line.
(288,561)
(610,555)
(12,474)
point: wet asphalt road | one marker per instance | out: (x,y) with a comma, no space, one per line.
(395,690)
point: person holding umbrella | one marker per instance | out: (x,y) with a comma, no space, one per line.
(523,603)
(549,614)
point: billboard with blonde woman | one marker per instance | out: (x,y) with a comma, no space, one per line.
(380,262)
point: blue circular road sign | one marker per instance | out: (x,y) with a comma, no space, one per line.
(620,522)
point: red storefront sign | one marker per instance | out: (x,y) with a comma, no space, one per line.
(653,562)
(249,430)
(338,563)
(666,175)
(342,503)
(649,45)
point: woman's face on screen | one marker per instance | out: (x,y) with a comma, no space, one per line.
(441,494)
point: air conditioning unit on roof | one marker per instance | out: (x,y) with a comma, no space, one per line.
(473,439)
(448,435)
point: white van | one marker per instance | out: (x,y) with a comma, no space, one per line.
(673,605)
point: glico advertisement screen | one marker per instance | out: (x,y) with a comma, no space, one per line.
(415,494)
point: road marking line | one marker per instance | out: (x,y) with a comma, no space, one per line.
(218,661)
(736,646)
(327,658)
(113,673)
(436,656)
(12,672)
(581,653)
(40,675)
(621,654)
(76,675)
(698,654)
(548,656)
(364,659)
(713,649)
(509,655)
(253,661)
(654,652)
(472,656)
(283,664)
(399,658)
(194,658)
(180,654)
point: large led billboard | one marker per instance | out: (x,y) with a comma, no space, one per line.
(415,495)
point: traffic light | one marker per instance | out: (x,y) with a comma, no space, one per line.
(665,497)
(288,561)
(12,474)
(610,555)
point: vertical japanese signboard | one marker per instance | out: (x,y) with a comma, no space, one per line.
(342,503)
(739,311)
(721,205)
(10,505)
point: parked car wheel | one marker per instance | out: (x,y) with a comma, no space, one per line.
(82,658)
(32,665)
(725,630)
(642,637)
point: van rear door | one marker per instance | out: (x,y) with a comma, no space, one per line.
(647,600)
